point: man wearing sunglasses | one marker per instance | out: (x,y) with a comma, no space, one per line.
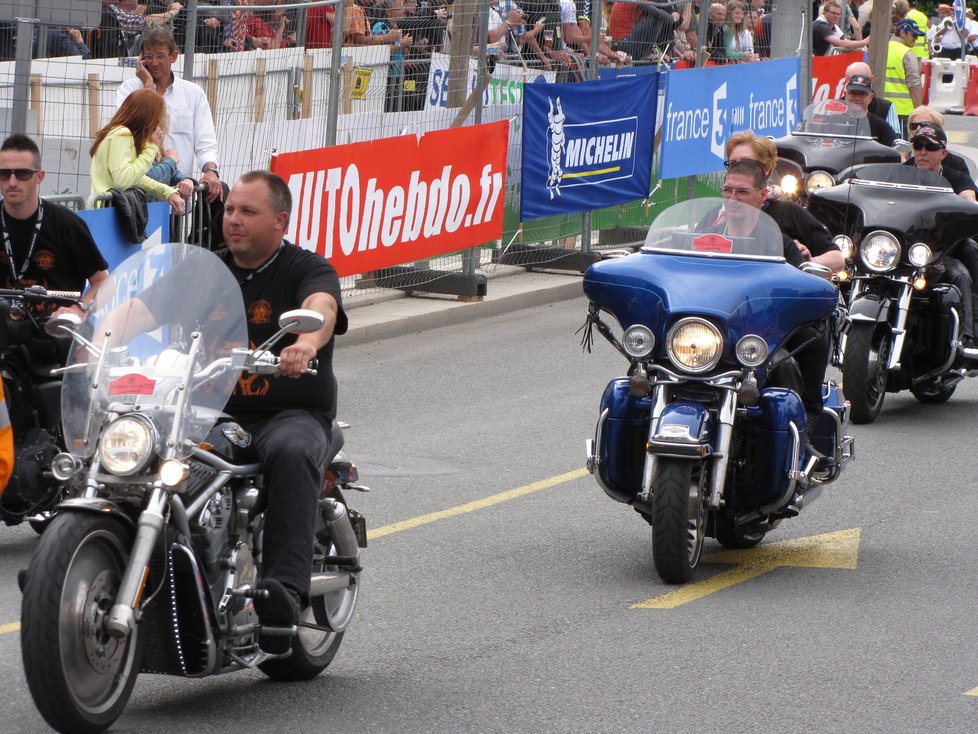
(929,152)
(43,244)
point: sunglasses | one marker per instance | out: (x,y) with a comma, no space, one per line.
(916,125)
(727,163)
(22,174)
(932,147)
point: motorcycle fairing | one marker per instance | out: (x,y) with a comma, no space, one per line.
(767,298)
(807,152)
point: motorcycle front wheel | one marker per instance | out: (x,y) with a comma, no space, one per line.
(314,649)
(864,371)
(79,676)
(678,518)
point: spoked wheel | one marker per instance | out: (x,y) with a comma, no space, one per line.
(313,650)
(737,537)
(864,371)
(79,676)
(678,518)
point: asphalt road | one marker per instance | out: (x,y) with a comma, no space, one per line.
(501,582)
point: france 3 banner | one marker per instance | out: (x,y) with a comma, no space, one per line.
(704,107)
(587,145)
(372,205)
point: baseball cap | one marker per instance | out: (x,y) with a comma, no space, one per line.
(910,26)
(859,83)
(933,135)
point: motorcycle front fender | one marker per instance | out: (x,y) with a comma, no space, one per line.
(683,430)
(96,505)
(870,308)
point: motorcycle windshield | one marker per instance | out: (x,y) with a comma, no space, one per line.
(834,123)
(724,228)
(164,315)
(889,173)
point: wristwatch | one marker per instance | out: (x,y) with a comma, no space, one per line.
(212,169)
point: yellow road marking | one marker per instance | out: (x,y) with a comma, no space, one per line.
(475,505)
(829,550)
(414,522)
(972,692)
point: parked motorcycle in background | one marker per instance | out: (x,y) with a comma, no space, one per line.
(33,397)
(693,438)
(830,138)
(895,224)
(152,565)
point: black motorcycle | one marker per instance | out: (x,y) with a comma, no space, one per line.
(152,564)
(831,138)
(894,224)
(33,397)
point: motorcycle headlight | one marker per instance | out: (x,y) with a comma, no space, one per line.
(918,254)
(694,345)
(880,251)
(790,185)
(752,350)
(845,244)
(638,341)
(818,180)
(127,445)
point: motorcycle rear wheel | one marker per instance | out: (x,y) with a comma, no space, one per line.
(678,518)
(864,372)
(79,676)
(313,650)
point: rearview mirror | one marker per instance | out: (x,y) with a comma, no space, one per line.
(301,321)
(61,326)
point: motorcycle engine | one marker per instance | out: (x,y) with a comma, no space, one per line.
(210,532)
(28,486)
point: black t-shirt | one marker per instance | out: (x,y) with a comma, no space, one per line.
(821,30)
(959,179)
(280,286)
(881,130)
(64,256)
(799,224)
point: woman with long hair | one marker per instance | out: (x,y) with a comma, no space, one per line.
(738,38)
(125,149)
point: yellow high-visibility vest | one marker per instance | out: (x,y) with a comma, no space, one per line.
(920,48)
(895,84)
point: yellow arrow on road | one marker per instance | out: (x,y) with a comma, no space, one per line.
(829,550)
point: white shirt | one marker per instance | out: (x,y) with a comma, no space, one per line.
(191,126)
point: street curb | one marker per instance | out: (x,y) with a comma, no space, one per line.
(402,315)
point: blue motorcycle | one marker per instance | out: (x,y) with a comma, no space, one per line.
(697,437)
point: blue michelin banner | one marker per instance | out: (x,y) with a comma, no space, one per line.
(587,145)
(704,107)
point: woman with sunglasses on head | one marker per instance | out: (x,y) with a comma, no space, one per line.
(125,149)
(811,236)
(43,244)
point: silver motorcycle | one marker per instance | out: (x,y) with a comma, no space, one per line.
(152,565)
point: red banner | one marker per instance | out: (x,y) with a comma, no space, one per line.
(829,73)
(386,202)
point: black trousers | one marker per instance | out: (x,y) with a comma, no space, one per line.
(293,446)
(957,275)
(966,252)
(812,360)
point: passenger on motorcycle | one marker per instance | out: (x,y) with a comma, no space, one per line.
(924,116)
(746,182)
(810,235)
(961,270)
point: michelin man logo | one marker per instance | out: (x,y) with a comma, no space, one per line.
(558,142)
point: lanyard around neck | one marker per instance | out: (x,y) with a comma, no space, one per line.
(263,267)
(14,271)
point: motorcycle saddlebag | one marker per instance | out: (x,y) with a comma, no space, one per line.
(622,434)
(764,444)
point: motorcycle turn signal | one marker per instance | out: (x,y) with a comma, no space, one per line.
(639,385)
